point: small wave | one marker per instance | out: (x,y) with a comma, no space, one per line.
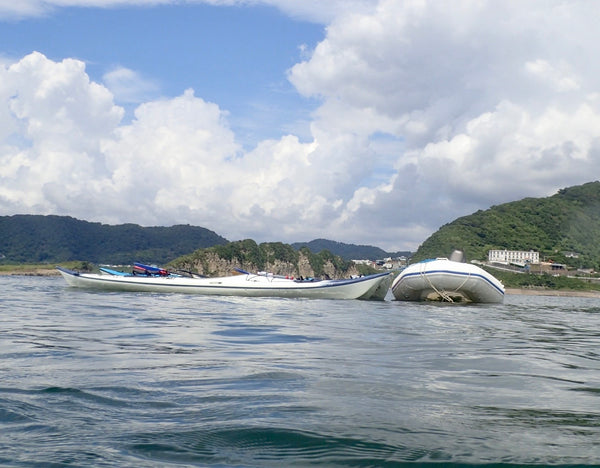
(260,446)
(19,416)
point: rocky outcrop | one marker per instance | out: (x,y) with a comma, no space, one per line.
(210,262)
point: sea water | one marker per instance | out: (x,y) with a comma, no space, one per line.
(131,379)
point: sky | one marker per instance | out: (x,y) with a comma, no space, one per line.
(362,121)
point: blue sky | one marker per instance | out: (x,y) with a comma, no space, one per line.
(363,121)
(236,56)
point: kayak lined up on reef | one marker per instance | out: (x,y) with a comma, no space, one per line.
(154,279)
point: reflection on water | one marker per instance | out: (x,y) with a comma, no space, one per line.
(130,379)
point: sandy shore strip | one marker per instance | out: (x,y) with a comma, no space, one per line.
(31,272)
(552,292)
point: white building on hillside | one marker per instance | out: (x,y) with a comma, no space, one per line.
(520,257)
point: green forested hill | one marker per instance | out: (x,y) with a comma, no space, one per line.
(34,239)
(271,256)
(54,239)
(568,221)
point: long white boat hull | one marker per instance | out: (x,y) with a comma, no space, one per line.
(445,280)
(365,287)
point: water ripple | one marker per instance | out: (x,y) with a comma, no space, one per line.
(130,379)
(259,446)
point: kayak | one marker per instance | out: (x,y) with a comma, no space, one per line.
(373,287)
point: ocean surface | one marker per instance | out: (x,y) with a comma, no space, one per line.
(159,380)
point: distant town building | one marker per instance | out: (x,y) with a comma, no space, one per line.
(388,263)
(519,257)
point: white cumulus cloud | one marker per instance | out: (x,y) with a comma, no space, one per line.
(427,111)
(492,100)
(177,161)
(128,86)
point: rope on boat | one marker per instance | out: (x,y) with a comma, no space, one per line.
(443,294)
(463,283)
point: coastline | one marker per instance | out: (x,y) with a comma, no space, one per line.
(31,272)
(551,292)
(508,291)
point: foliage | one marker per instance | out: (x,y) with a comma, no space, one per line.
(280,251)
(247,252)
(568,221)
(348,251)
(32,268)
(58,239)
(31,238)
(547,281)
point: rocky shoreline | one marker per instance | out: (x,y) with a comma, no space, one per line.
(212,264)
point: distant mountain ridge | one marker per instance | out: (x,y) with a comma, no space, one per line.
(564,228)
(51,238)
(349,251)
(41,239)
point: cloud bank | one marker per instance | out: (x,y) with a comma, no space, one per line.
(428,111)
